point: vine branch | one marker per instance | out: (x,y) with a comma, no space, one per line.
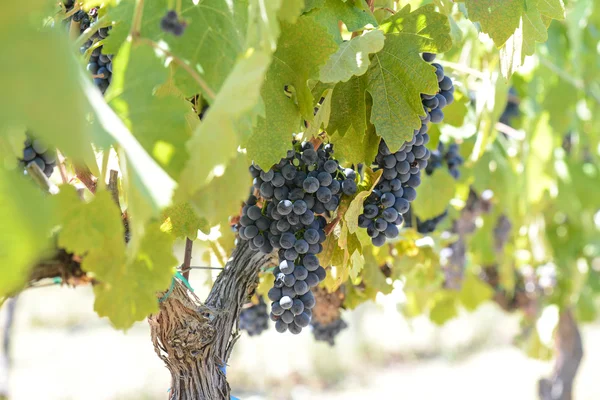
(187,259)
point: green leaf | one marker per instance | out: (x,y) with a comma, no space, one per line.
(474,292)
(293,65)
(149,115)
(27,217)
(374,278)
(348,108)
(364,190)
(129,291)
(128,285)
(515,26)
(356,147)
(41,81)
(352,57)
(182,221)
(443,307)
(434,194)
(219,29)
(398,75)
(87,227)
(354,16)
(224,195)
(321,117)
(225,125)
(498,18)
(263,25)
(291,11)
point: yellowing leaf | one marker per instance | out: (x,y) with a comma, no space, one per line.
(27,218)
(364,190)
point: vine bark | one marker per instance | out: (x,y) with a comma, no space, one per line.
(569,352)
(195,339)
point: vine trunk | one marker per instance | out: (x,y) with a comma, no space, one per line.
(195,339)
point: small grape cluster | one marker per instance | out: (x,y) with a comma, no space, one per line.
(434,104)
(306,183)
(36,151)
(451,157)
(99,65)
(384,207)
(255,319)
(327,333)
(171,23)
(427,226)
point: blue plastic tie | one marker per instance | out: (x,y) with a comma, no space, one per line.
(179,276)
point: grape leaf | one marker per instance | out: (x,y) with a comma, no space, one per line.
(352,57)
(24,76)
(128,286)
(474,292)
(182,221)
(88,226)
(398,75)
(293,64)
(434,194)
(220,199)
(27,217)
(515,26)
(291,11)
(354,16)
(218,27)
(216,140)
(263,25)
(128,292)
(443,307)
(348,109)
(148,115)
(356,147)
(364,190)
(321,117)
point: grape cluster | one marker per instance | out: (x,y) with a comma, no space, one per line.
(255,319)
(99,65)
(451,157)
(36,151)
(294,192)
(327,333)
(384,207)
(170,23)
(427,226)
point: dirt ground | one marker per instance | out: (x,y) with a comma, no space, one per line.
(62,350)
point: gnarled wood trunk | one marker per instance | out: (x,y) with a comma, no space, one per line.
(195,339)
(569,352)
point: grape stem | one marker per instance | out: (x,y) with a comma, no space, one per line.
(76,7)
(509,131)
(102,22)
(113,187)
(385,9)
(85,176)
(61,168)
(464,68)
(41,179)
